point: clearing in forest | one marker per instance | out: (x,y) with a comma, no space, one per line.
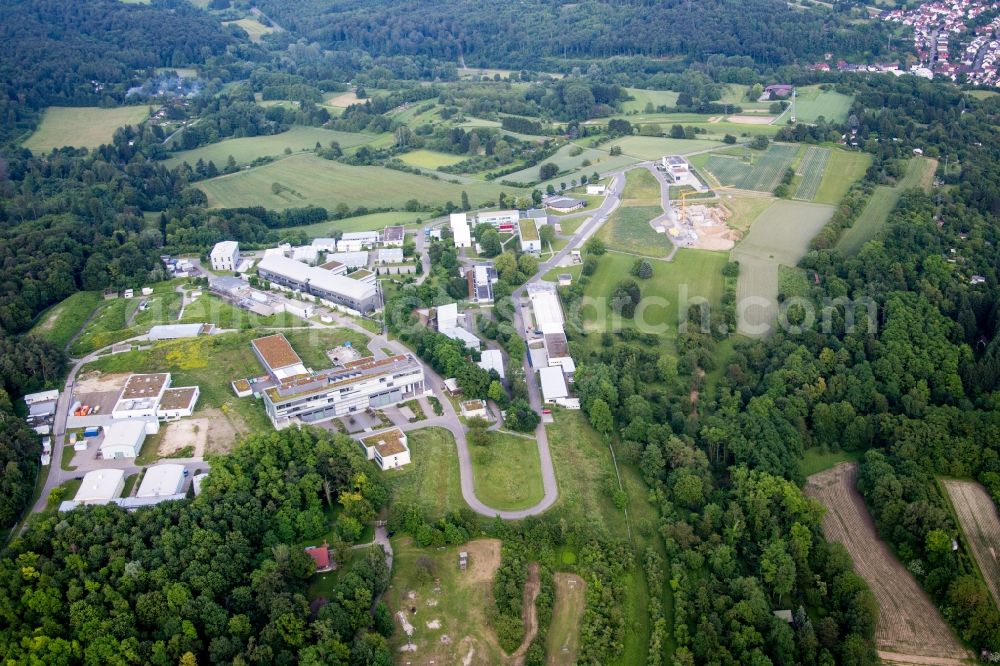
(82,126)
(981,525)
(908,623)
(564,633)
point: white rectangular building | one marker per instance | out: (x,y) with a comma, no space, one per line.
(123,439)
(325,244)
(447,316)
(492,359)
(389,449)
(546,308)
(329,286)
(393,236)
(553,384)
(350,259)
(460,231)
(42,396)
(225,256)
(162,480)
(357,240)
(100,486)
(528,235)
(596,188)
(390,255)
(174,331)
(503,220)
(307,254)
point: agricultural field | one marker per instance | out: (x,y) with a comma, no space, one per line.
(643,97)
(843,169)
(977,514)
(811,168)
(563,639)
(82,126)
(431,159)
(440,612)
(628,230)
(304,180)
(692,274)
(811,103)
(370,222)
(919,173)
(507,473)
(653,147)
(62,321)
(246,149)
(780,235)
(254,28)
(908,623)
(745,209)
(762,175)
(431,480)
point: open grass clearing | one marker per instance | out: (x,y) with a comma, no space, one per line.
(246,149)
(305,180)
(63,320)
(431,480)
(641,189)
(919,173)
(811,168)
(843,169)
(82,126)
(573,166)
(811,103)
(642,98)
(908,623)
(982,94)
(653,147)
(254,28)
(431,159)
(779,236)
(815,460)
(977,515)
(507,472)
(628,230)
(341,99)
(108,325)
(563,639)
(445,609)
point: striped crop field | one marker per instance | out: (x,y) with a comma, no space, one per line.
(811,169)
(762,176)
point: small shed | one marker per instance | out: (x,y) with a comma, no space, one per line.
(463,560)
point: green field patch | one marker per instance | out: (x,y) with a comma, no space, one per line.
(573,166)
(370,222)
(507,472)
(254,28)
(212,310)
(780,236)
(246,149)
(919,173)
(305,180)
(843,169)
(431,159)
(811,103)
(982,94)
(628,230)
(431,480)
(793,282)
(745,209)
(642,187)
(108,326)
(762,174)
(811,168)
(62,321)
(815,460)
(653,147)
(643,97)
(82,126)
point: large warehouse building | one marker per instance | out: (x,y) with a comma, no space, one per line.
(163,480)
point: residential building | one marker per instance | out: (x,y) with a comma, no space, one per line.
(553,384)
(388,448)
(355,241)
(277,356)
(336,289)
(100,486)
(355,387)
(123,439)
(503,221)
(492,359)
(481,278)
(675,165)
(321,557)
(528,235)
(393,236)
(163,480)
(225,256)
(461,235)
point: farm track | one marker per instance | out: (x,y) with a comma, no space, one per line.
(908,623)
(980,523)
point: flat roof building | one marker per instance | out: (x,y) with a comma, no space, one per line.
(492,359)
(123,439)
(275,353)
(141,396)
(338,289)
(357,259)
(325,244)
(562,204)
(307,254)
(389,255)
(175,331)
(388,448)
(225,256)
(546,307)
(481,278)
(357,240)
(447,316)
(528,235)
(100,486)
(553,384)
(460,231)
(503,220)
(162,480)
(41,396)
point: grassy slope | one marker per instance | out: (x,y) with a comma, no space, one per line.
(431,479)
(651,148)
(654,97)
(628,230)
(82,126)
(811,103)
(883,200)
(370,222)
(61,322)
(843,168)
(246,149)
(507,473)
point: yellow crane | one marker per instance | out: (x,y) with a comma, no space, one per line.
(686,193)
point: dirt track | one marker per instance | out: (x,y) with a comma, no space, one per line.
(908,623)
(529,613)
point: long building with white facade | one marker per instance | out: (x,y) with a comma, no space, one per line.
(327,285)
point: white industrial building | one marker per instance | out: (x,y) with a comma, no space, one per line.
(147,396)
(492,359)
(176,331)
(553,384)
(307,254)
(163,480)
(123,439)
(389,449)
(325,244)
(596,188)
(355,241)
(447,323)
(337,289)
(546,308)
(528,235)
(100,486)
(389,255)
(350,259)
(503,221)
(41,396)
(461,234)
(225,256)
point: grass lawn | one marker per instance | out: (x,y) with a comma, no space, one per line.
(811,103)
(130,482)
(919,173)
(305,180)
(370,222)
(692,274)
(431,480)
(507,472)
(563,639)
(255,29)
(745,209)
(431,159)
(573,166)
(982,94)
(643,97)
(628,230)
(816,460)
(652,147)
(641,188)
(61,322)
(65,491)
(82,126)
(246,149)
(843,169)
(312,343)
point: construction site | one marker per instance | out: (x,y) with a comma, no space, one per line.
(696,225)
